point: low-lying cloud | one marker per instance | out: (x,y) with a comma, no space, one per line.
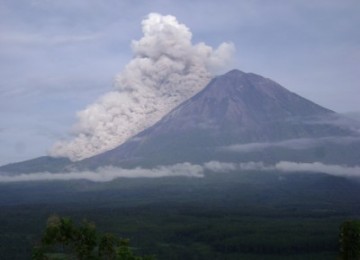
(216,166)
(166,70)
(106,174)
(295,144)
(285,166)
(332,169)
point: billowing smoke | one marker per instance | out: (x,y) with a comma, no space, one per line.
(166,70)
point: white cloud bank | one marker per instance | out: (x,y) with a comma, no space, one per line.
(295,144)
(106,174)
(110,173)
(166,70)
(336,170)
(285,166)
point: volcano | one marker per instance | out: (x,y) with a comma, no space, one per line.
(236,109)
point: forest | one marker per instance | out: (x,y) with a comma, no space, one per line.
(235,215)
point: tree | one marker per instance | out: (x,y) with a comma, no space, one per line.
(59,231)
(85,241)
(107,246)
(350,240)
(63,240)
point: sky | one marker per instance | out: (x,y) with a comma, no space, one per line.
(58,57)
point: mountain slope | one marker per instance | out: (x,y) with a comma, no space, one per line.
(40,164)
(234,108)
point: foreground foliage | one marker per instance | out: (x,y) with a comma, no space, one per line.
(350,240)
(63,240)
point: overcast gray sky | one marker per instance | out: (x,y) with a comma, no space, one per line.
(56,57)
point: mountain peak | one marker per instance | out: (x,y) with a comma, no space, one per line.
(247,99)
(234,72)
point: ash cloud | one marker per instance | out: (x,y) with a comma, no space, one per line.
(166,70)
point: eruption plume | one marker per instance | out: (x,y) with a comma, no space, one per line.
(166,70)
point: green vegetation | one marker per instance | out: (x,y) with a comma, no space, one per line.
(63,240)
(222,216)
(350,240)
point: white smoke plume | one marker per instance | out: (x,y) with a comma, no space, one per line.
(166,70)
